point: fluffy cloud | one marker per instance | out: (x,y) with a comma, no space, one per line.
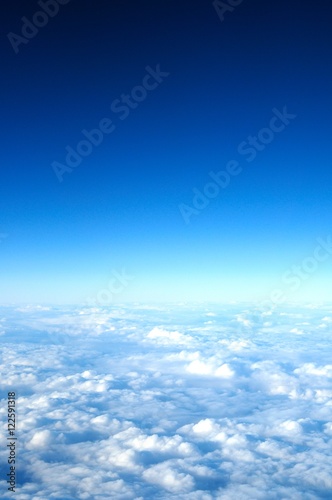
(165,337)
(40,440)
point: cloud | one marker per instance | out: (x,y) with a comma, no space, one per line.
(209,367)
(236,345)
(169,478)
(165,337)
(40,439)
(224,371)
(311,369)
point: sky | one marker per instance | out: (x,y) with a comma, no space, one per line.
(130,220)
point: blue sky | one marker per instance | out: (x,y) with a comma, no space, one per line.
(120,207)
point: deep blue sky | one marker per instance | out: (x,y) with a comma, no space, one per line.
(120,207)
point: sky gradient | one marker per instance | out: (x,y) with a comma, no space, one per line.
(119,208)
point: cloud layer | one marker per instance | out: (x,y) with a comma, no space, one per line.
(185,402)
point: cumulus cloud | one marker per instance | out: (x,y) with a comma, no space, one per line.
(312,369)
(236,345)
(40,440)
(165,337)
(169,478)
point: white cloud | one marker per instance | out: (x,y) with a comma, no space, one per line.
(224,371)
(40,439)
(169,478)
(311,369)
(165,337)
(199,368)
(236,345)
